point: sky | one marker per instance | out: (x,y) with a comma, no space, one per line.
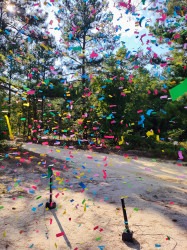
(126,25)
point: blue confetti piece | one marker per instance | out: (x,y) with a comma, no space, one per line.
(101,247)
(149,111)
(41,204)
(82,185)
(157,245)
(31,191)
(101,98)
(43,175)
(33,209)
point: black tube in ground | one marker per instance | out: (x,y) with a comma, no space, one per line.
(125,214)
(50,204)
(51,182)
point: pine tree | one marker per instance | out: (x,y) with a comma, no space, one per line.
(88,36)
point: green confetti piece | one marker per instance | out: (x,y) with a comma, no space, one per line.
(178,90)
(83,201)
(98,238)
(21,196)
(16,184)
(136,209)
(182,149)
(1,207)
(38,197)
(23,119)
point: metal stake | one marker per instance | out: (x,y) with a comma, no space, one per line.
(127,234)
(50,204)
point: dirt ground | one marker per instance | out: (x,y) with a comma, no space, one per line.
(87,189)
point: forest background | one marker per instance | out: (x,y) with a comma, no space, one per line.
(84,87)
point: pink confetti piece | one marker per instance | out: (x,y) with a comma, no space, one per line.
(31,92)
(90,157)
(45,143)
(140,111)
(105,158)
(60,234)
(109,136)
(104,174)
(93,55)
(180,155)
(163,97)
(56,196)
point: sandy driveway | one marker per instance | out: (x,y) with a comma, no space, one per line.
(155,194)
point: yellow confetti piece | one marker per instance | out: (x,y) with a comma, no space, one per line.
(58,150)
(124,197)
(42,154)
(4,234)
(55,245)
(84,207)
(150,133)
(157,138)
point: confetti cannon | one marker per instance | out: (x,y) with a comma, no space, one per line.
(127,234)
(50,204)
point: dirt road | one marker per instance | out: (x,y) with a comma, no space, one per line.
(91,217)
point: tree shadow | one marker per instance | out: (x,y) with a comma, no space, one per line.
(61,228)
